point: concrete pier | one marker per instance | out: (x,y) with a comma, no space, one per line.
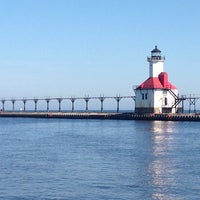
(104,116)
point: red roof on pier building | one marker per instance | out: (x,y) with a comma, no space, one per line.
(160,82)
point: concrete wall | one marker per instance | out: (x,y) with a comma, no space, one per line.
(170,100)
(144,98)
(154,101)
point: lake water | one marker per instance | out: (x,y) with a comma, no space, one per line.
(99,159)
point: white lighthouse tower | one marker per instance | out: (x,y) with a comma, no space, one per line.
(156,94)
(156,63)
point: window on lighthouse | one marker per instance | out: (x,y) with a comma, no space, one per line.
(165,101)
(144,96)
(156,54)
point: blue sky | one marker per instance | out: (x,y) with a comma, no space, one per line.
(92,47)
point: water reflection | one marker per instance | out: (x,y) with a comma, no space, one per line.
(161,168)
(162,126)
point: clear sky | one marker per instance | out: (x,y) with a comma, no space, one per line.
(92,47)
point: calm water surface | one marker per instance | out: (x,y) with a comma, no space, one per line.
(99,159)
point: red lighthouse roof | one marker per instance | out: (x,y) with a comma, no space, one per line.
(160,82)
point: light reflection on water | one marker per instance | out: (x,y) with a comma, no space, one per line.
(162,169)
(163,126)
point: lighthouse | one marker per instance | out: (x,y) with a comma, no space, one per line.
(156,94)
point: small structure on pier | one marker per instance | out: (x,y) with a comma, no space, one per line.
(156,94)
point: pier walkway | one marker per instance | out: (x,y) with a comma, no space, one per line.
(104,116)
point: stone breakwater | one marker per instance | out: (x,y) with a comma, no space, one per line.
(104,116)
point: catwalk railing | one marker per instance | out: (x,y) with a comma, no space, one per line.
(86,99)
(191,99)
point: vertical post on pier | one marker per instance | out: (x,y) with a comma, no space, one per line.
(59,102)
(73,100)
(182,106)
(118,98)
(13,103)
(192,102)
(189,105)
(102,98)
(24,102)
(86,102)
(35,101)
(48,100)
(194,105)
(3,102)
